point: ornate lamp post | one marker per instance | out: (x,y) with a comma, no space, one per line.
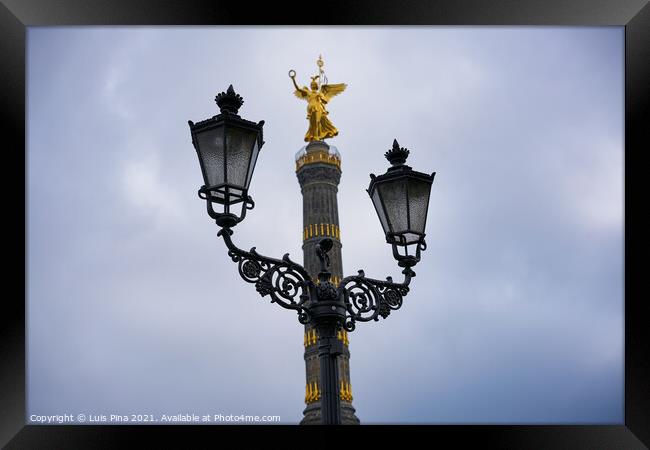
(227,147)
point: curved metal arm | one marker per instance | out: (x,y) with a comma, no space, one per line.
(282,279)
(366,298)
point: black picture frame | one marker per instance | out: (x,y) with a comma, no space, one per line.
(634,15)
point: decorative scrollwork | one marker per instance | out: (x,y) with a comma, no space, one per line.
(250,270)
(367,299)
(393,298)
(289,285)
(349,324)
(286,282)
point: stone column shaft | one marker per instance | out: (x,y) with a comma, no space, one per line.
(319,173)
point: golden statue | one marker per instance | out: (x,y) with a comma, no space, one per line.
(320,126)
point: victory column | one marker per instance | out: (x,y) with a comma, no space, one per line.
(318,168)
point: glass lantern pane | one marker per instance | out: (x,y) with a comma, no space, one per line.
(218,196)
(251,167)
(393,193)
(418,203)
(239,144)
(380,210)
(411,238)
(210,149)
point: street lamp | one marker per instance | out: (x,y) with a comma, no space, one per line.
(401,198)
(227,147)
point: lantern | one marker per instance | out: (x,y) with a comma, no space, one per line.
(227,147)
(401,199)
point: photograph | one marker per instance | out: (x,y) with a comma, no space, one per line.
(339,225)
(245,222)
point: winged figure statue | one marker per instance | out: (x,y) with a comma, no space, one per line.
(317,96)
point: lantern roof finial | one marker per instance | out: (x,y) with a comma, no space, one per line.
(229,102)
(397,155)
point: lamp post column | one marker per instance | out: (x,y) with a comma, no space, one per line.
(329,348)
(328,316)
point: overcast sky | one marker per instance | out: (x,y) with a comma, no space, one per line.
(516,313)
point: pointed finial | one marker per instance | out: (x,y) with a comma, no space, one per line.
(397,155)
(229,102)
(321,73)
